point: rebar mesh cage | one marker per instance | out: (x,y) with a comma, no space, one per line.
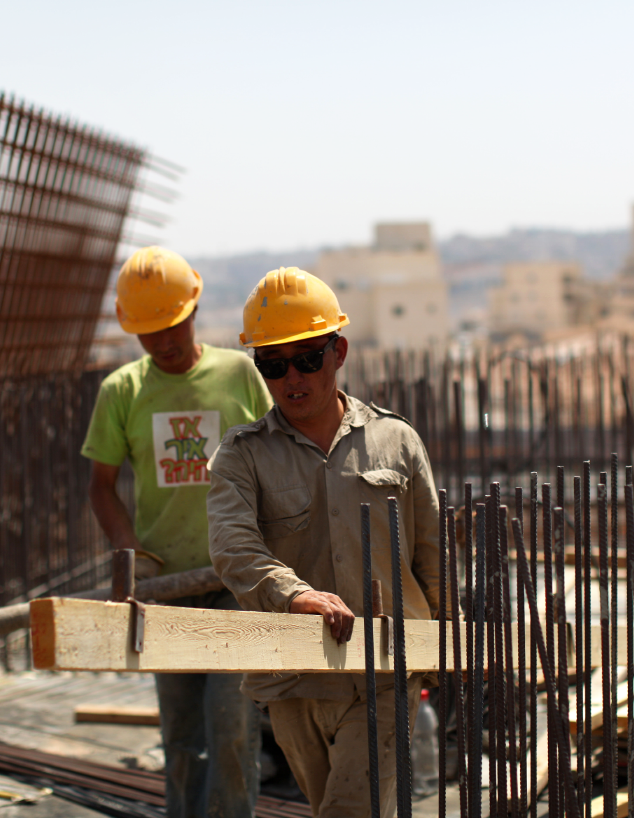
(65,193)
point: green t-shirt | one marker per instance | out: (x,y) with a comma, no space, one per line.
(169,426)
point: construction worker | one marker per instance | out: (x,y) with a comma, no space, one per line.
(284,532)
(166,413)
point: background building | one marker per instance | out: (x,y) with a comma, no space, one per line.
(538,297)
(394,291)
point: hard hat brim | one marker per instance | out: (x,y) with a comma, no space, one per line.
(289,339)
(158,324)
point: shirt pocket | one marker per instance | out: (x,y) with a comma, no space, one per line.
(284,512)
(385,478)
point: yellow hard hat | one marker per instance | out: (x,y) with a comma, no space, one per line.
(156,289)
(287,305)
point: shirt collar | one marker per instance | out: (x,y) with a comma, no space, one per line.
(355,414)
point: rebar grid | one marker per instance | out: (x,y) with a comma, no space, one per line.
(65,194)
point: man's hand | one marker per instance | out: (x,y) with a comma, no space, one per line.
(146,564)
(333,609)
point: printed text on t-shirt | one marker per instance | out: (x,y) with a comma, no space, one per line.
(183,443)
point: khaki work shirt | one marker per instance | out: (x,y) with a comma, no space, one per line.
(284,518)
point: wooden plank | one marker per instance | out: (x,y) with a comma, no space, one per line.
(621,805)
(69,634)
(114,714)
(72,634)
(597,711)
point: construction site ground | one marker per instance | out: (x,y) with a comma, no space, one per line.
(37,711)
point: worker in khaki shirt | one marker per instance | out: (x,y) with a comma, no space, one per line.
(284,533)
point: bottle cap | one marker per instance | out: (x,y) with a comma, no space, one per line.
(424,695)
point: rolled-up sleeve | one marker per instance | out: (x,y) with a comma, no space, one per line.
(258,580)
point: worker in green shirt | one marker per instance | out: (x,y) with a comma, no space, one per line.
(166,413)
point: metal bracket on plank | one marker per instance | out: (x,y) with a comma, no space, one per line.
(389,622)
(138,624)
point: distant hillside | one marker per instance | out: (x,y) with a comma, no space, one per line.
(601,254)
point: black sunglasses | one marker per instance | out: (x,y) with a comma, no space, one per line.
(305,362)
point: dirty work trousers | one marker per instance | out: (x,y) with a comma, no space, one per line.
(326,745)
(211,736)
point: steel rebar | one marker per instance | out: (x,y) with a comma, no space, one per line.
(508,660)
(534,517)
(629,520)
(475,762)
(370,677)
(457,658)
(562,640)
(587,611)
(401,706)
(609,794)
(571,801)
(553,767)
(579,641)
(442,654)
(521,666)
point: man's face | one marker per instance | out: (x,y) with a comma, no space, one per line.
(171,349)
(302,397)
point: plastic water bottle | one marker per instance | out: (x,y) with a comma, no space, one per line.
(425,749)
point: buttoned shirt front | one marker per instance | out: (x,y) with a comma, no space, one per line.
(284,517)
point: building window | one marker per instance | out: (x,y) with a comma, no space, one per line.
(398,310)
(341,284)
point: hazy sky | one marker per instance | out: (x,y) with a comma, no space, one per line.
(301,123)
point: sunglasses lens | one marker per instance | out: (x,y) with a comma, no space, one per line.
(309,361)
(274,369)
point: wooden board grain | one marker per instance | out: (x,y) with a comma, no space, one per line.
(621,805)
(69,634)
(73,634)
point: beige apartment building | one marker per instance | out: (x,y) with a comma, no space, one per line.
(394,291)
(538,297)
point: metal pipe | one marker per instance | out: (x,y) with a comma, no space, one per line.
(122,574)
